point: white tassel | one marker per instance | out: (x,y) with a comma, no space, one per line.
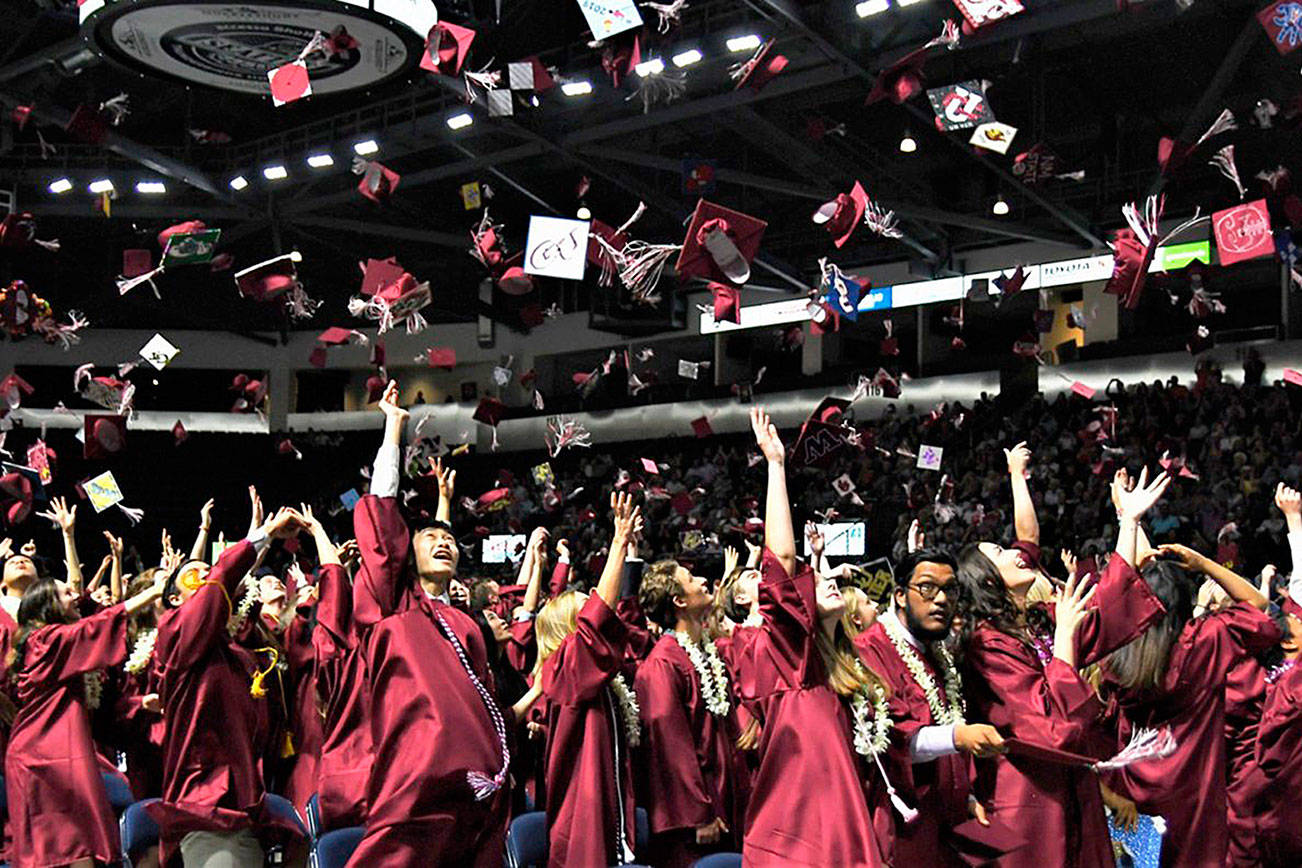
(51,245)
(661,87)
(133,514)
(126,403)
(416,323)
(633,218)
(358,306)
(642,266)
(1223,124)
(1193,221)
(117,108)
(1224,161)
(670,13)
(907,813)
(1145,744)
(126,368)
(81,375)
(481,785)
(126,284)
(881,222)
(949,36)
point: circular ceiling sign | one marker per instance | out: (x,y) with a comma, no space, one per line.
(233,46)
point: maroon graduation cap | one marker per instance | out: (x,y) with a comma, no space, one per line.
(820,437)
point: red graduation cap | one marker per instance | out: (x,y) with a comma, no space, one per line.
(598,255)
(270,279)
(446,48)
(720,244)
(823,318)
(375,386)
(902,80)
(379,273)
(105,435)
(441,357)
(1011,284)
(1200,341)
(820,437)
(339,40)
(620,58)
(1083,390)
(1293,376)
(179,433)
(489,411)
(842,215)
(16,494)
(335,336)
(187,227)
(514,281)
(251,393)
(378,181)
(727,302)
(701,427)
(762,67)
(137,262)
(289,82)
(88,125)
(12,388)
(317,358)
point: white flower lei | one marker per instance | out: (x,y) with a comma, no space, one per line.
(93,683)
(241,614)
(942,712)
(871,732)
(628,710)
(141,652)
(710,671)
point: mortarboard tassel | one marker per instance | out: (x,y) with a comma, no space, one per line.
(488,80)
(65,334)
(126,284)
(562,433)
(659,87)
(949,36)
(1223,160)
(881,222)
(1223,124)
(1145,744)
(641,266)
(116,108)
(907,813)
(301,305)
(133,514)
(670,13)
(256,690)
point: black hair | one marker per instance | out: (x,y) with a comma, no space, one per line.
(1142,663)
(39,607)
(169,588)
(983,596)
(904,569)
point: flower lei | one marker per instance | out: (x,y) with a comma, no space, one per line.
(1277,672)
(871,731)
(709,670)
(94,685)
(629,712)
(943,711)
(241,614)
(141,652)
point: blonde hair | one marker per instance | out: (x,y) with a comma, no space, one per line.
(556,620)
(846,673)
(852,615)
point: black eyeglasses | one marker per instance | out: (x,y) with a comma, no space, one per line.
(928,591)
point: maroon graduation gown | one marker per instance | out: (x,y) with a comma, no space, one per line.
(58,808)
(215,729)
(1245,694)
(304,724)
(1276,807)
(429,725)
(938,790)
(691,774)
(1058,807)
(589,774)
(345,760)
(1188,787)
(808,805)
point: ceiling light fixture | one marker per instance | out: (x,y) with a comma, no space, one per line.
(366,147)
(239,182)
(871,7)
(907,144)
(749,42)
(576,88)
(654,66)
(151,188)
(103,185)
(687,58)
(1000,208)
(275,173)
(907,2)
(320,161)
(583,213)
(62,185)
(461,120)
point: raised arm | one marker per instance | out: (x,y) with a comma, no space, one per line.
(383,539)
(115,554)
(447,490)
(1131,505)
(384,474)
(1290,503)
(628,521)
(66,521)
(1240,589)
(1025,524)
(205,528)
(779,536)
(533,586)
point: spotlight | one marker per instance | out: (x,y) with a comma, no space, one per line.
(62,185)
(654,66)
(576,88)
(583,213)
(276,172)
(151,188)
(907,144)
(1000,208)
(103,185)
(749,42)
(687,58)
(460,120)
(907,2)
(871,7)
(239,182)
(320,161)
(366,147)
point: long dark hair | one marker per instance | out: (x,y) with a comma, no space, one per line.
(983,596)
(1142,663)
(40,607)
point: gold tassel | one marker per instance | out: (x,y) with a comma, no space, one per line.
(256,690)
(287,750)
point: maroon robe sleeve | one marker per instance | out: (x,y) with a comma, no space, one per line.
(790,611)
(334,607)
(679,798)
(201,620)
(1279,735)
(588,657)
(522,645)
(63,651)
(560,577)
(1252,630)
(1052,706)
(383,541)
(1124,608)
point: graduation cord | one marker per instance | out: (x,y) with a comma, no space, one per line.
(480,783)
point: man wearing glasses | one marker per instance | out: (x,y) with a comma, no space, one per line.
(906,647)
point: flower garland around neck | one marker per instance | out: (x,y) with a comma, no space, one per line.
(94,686)
(871,730)
(1277,672)
(943,711)
(629,712)
(241,613)
(141,652)
(710,671)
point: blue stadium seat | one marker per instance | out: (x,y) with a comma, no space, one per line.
(281,808)
(334,849)
(719,860)
(119,792)
(642,829)
(4,799)
(526,840)
(139,831)
(313,817)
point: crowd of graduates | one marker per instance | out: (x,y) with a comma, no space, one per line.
(994,706)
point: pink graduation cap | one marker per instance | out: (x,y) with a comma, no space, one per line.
(378,181)
(446,48)
(720,244)
(396,300)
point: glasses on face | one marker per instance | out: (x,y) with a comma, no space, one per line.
(928,590)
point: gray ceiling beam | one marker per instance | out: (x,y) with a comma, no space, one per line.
(137,211)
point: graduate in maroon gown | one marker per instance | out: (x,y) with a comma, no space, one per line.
(213,796)
(1020,675)
(694,782)
(825,716)
(591,715)
(58,807)
(437,791)
(345,758)
(905,645)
